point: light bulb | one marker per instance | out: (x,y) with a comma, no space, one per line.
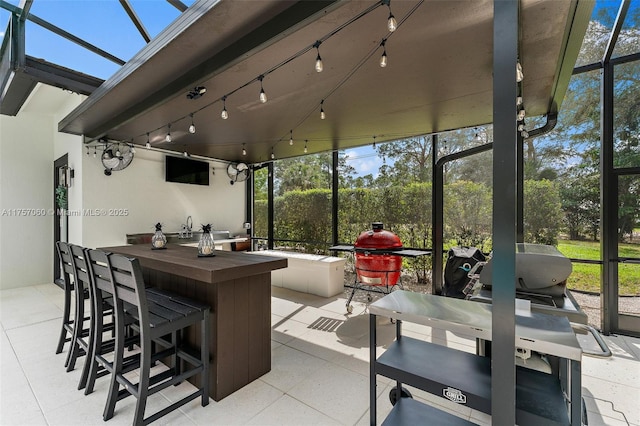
(520,127)
(319,66)
(95,154)
(168,137)
(322,114)
(224,114)
(305,146)
(186,154)
(525,134)
(192,128)
(392,24)
(519,73)
(273,156)
(383,59)
(148,145)
(521,114)
(133,149)
(87,151)
(244,151)
(291,137)
(518,100)
(263,95)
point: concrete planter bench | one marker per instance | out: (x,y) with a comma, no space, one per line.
(308,273)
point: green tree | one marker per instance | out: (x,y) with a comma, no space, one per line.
(576,139)
(542,212)
(411,161)
(580,202)
(310,172)
(467,213)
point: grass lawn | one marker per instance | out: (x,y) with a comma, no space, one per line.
(587,277)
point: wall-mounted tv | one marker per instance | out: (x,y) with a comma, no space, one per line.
(186,170)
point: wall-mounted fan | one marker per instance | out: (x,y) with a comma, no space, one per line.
(237,172)
(116,157)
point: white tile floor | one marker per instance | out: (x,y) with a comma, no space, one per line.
(319,371)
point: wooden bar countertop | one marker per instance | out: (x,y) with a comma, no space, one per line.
(184,261)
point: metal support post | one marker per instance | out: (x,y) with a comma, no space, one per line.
(505,54)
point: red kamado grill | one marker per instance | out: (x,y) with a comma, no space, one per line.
(375,264)
(378,261)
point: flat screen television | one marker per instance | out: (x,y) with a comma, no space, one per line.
(186,170)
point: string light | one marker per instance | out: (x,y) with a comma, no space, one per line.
(186,154)
(392,24)
(519,73)
(224,114)
(521,114)
(477,136)
(518,100)
(244,151)
(95,153)
(87,150)
(319,66)
(305,146)
(383,58)
(374,141)
(192,127)
(132,148)
(168,137)
(290,137)
(263,95)
(273,156)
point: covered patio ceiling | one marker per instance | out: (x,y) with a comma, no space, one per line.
(438,77)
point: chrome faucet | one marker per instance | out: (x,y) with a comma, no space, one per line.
(186,231)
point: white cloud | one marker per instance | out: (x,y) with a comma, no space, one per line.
(364,164)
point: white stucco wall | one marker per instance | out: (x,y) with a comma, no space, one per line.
(141,190)
(26,177)
(29,144)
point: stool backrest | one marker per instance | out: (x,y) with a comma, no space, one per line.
(128,284)
(80,268)
(98,266)
(68,271)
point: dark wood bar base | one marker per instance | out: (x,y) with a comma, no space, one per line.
(240,339)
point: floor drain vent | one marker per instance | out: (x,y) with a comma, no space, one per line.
(326,324)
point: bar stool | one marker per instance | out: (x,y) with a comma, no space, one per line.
(85,331)
(69,287)
(159,315)
(101,289)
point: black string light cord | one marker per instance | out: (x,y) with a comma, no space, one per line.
(286,61)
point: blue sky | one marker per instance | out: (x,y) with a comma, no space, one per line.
(103,23)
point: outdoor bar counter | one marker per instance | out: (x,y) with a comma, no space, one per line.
(237,286)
